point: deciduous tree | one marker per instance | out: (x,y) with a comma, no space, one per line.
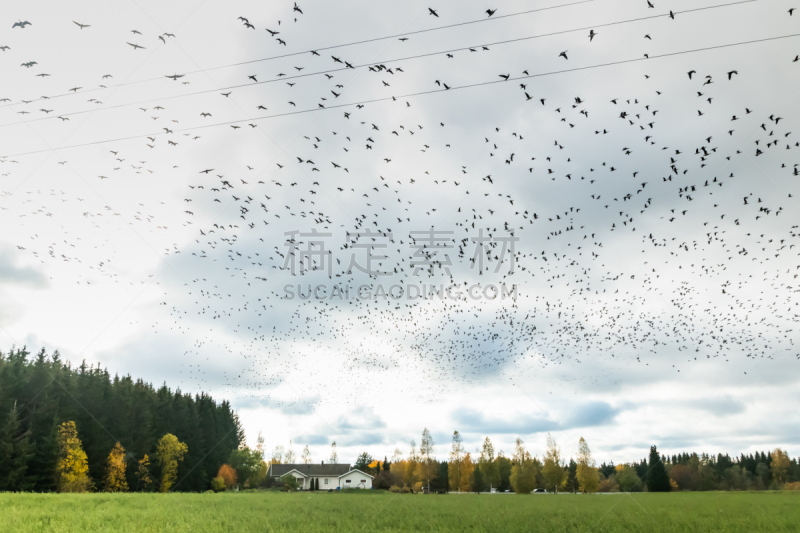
(228,475)
(524,471)
(144,480)
(587,473)
(115,470)
(289,457)
(427,459)
(779,466)
(334,458)
(628,479)
(170,451)
(454,467)
(72,470)
(467,468)
(306,456)
(553,470)
(247,463)
(277,455)
(487,464)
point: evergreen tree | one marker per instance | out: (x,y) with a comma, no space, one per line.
(316,484)
(49,392)
(15,454)
(657,478)
(572,471)
(363,462)
(478,484)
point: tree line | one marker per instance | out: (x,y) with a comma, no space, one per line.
(77,428)
(522,472)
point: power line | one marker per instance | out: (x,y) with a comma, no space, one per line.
(411,95)
(292,54)
(407,58)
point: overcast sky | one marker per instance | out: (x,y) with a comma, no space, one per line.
(654,214)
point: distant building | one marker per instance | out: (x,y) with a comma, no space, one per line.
(331,476)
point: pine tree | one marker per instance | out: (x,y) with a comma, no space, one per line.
(115,471)
(16,452)
(316,484)
(657,478)
(134,411)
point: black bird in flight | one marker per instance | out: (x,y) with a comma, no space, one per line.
(81,26)
(21,24)
(434,13)
(490,12)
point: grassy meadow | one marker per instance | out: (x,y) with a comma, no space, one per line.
(311,512)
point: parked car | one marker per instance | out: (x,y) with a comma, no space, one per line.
(539,490)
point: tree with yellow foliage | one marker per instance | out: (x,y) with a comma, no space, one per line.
(524,471)
(454,463)
(779,465)
(467,468)
(72,469)
(553,470)
(587,473)
(408,470)
(170,450)
(115,470)
(143,477)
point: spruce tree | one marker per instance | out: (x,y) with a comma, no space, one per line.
(15,453)
(657,478)
(477,482)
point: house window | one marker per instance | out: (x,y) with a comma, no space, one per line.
(363,481)
(326,481)
(347,481)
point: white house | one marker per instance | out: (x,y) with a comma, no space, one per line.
(331,476)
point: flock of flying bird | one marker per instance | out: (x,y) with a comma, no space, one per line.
(635,245)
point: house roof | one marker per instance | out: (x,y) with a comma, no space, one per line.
(312,470)
(359,471)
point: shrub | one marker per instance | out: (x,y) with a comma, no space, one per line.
(289,483)
(228,475)
(218,484)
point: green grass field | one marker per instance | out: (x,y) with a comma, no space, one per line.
(380,511)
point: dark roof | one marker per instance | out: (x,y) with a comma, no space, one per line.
(313,470)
